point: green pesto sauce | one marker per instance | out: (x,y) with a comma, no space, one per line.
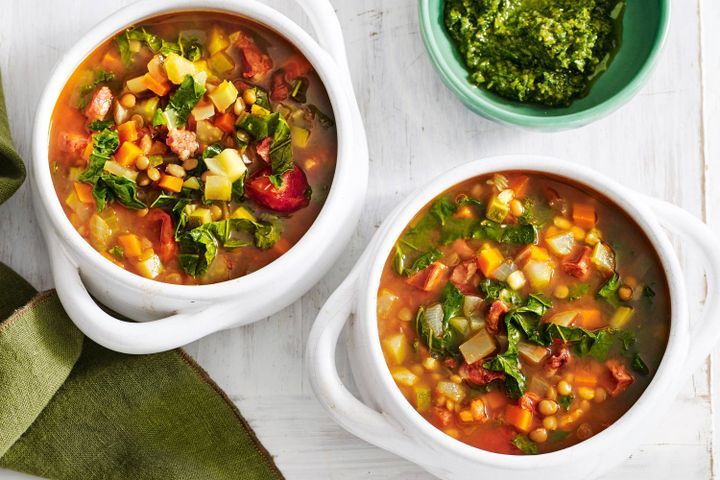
(535,51)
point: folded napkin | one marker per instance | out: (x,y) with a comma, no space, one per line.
(71,409)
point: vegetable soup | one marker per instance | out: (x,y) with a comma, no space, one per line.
(194,148)
(522,314)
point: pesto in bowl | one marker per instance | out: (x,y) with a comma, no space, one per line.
(546,52)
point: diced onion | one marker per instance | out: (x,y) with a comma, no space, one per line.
(434,319)
(565,318)
(504,270)
(532,353)
(471,305)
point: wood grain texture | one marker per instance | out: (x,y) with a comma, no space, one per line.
(664,143)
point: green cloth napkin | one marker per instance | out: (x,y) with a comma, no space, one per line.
(71,409)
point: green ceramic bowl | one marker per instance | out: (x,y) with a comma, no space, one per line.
(645,26)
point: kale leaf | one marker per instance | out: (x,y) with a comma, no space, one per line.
(104,145)
(112,187)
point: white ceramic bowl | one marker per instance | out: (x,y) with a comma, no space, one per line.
(174,315)
(387,419)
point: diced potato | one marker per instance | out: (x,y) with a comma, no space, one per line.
(229,163)
(423,398)
(150,267)
(478,347)
(100,232)
(136,85)
(242,212)
(561,244)
(218,187)
(621,317)
(221,63)
(532,353)
(224,95)
(199,216)
(177,67)
(603,257)
(397,347)
(539,274)
(192,183)
(115,168)
(403,376)
(203,111)
(566,318)
(217,40)
(207,133)
(516,280)
(452,391)
(300,136)
(386,300)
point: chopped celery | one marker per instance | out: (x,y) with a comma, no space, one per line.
(497,210)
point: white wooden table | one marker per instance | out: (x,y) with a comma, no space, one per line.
(665,143)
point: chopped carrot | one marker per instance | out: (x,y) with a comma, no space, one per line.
(112,62)
(127,154)
(495,400)
(281,246)
(518,417)
(128,131)
(88,150)
(585,379)
(225,122)
(518,184)
(173,184)
(584,215)
(591,319)
(131,245)
(464,212)
(84,192)
(428,278)
(489,259)
(160,88)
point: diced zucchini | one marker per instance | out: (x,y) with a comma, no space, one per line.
(397,347)
(199,216)
(111,166)
(136,85)
(192,183)
(242,212)
(224,95)
(561,244)
(403,376)
(177,67)
(229,163)
(539,274)
(603,257)
(208,133)
(478,347)
(221,63)
(217,40)
(150,267)
(423,398)
(621,317)
(300,136)
(497,210)
(218,187)
(532,353)
(461,325)
(452,391)
(566,318)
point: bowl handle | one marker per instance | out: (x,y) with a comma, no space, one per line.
(327,28)
(119,335)
(704,332)
(349,412)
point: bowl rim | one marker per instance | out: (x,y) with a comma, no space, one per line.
(468,93)
(402,410)
(267,17)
